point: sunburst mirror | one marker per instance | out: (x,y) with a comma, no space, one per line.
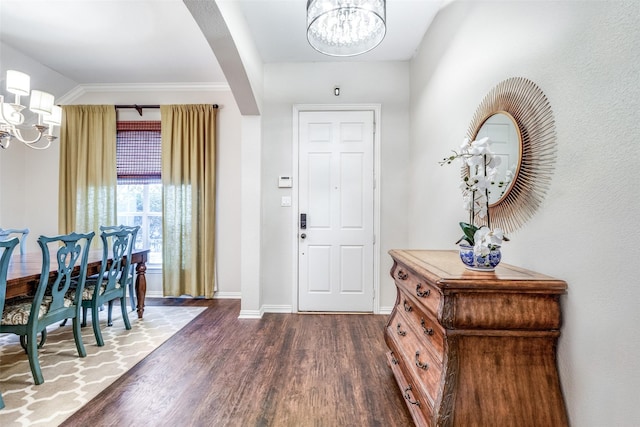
(517,118)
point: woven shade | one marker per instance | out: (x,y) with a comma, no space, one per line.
(138,152)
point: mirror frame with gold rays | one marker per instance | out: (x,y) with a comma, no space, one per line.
(528,106)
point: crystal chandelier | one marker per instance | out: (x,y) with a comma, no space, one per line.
(12,118)
(345,27)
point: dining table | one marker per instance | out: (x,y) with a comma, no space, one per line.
(24,272)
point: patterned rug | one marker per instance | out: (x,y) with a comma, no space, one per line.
(71,381)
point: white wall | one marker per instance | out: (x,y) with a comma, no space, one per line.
(23,169)
(29,196)
(312,83)
(585,56)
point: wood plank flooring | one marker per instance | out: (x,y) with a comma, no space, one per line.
(285,370)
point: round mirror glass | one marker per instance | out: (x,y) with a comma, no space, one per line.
(506,144)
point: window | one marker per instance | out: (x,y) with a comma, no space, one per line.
(138,153)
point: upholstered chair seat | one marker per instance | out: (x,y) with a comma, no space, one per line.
(89,289)
(17,312)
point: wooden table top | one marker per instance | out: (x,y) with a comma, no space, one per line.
(24,269)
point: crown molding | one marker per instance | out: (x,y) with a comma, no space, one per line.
(82,89)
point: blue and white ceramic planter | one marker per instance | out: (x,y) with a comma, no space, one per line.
(479,263)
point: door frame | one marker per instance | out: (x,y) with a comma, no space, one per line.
(297,109)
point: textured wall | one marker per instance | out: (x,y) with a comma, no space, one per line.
(585,56)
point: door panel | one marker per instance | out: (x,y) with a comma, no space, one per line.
(319,184)
(351,180)
(335,257)
(351,279)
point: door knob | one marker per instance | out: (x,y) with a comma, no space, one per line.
(303,236)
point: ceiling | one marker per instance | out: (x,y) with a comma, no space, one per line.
(158,41)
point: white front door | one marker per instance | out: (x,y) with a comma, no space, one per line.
(335,211)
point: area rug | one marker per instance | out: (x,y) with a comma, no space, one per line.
(72,381)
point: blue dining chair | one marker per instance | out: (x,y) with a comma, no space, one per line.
(6,250)
(111,283)
(30,316)
(5,233)
(131,275)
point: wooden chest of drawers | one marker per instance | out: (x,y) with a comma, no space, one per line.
(475,349)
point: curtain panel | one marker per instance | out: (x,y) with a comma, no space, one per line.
(189,180)
(87,196)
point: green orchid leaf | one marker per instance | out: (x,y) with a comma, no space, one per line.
(469,231)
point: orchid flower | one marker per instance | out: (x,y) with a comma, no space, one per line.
(486,239)
(494,162)
(482,167)
(479,147)
(467,201)
(480,205)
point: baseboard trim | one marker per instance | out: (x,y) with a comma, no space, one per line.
(227,295)
(154,294)
(257,314)
(250,314)
(217,295)
(385,310)
(277,309)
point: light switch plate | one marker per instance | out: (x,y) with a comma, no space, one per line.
(285,201)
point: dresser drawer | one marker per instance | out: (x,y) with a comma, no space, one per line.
(422,324)
(419,289)
(417,358)
(419,412)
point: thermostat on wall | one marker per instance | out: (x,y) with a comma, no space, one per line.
(284,181)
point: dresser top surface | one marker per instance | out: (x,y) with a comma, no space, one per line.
(445,270)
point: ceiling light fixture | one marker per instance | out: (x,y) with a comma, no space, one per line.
(345,27)
(12,119)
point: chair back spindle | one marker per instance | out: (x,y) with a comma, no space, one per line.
(23,232)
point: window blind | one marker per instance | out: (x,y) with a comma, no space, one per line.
(138,152)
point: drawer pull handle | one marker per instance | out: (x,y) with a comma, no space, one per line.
(402,275)
(407,307)
(406,396)
(419,364)
(427,331)
(420,293)
(401,333)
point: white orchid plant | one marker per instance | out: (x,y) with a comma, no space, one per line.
(482,169)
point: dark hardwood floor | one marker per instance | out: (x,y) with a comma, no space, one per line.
(281,370)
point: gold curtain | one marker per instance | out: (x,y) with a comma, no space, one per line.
(189,180)
(88,177)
